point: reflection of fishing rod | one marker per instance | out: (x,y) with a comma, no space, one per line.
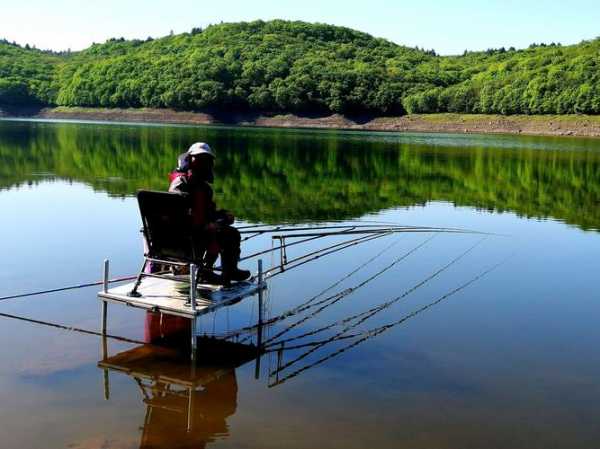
(71,328)
(375,310)
(289,313)
(331,300)
(368,334)
(363,316)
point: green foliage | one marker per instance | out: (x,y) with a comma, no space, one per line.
(26,75)
(281,66)
(280,175)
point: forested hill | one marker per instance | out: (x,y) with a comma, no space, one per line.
(304,68)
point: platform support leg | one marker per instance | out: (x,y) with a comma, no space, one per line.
(282,253)
(104,314)
(105,275)
(279,362)
(193,279)
(105,373)
(190,410)
(194,340)
(260,319)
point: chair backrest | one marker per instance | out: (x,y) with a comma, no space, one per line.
(168,226)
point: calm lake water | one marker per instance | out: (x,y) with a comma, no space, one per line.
(472,341)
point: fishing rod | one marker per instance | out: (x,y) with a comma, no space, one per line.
(129,278)
(306,223)
(287,245)
(312,236)
(369,231)
(256,233)
(69,287)
(318,228)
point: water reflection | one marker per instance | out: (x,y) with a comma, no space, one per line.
(276,175)
(186,405)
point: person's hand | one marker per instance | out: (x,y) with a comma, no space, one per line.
(229,217)
(211,227)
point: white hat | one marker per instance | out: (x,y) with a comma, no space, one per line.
(200,148)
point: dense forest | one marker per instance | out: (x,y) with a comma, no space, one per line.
(281,66)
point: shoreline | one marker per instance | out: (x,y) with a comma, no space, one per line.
(540,125)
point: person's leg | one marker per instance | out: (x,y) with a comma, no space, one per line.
(209,247)
(229,241)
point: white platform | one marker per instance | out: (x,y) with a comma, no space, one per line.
(170,297)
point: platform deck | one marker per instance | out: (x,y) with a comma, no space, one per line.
(170,297)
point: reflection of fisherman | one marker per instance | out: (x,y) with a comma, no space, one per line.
(165,427)
(166,424)
(194,176)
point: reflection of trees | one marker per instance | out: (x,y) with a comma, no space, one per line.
(276,175)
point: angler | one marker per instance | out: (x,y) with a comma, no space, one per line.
(194,177)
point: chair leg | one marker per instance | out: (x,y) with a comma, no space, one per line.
(134,293)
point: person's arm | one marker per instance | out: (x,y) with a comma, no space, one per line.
(225,216)
(203,213)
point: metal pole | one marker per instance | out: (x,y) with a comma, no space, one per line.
(105,373)
(103,324)
(194,347)
(260,319)
(193,271)
(282,254)
(190,410)
(279,359)
(104,314)
(193,276)
(105,276)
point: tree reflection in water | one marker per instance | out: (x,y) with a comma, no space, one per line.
(271,176)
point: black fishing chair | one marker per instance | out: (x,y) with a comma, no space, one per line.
(170,236)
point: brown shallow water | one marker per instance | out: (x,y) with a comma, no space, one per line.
(493,342)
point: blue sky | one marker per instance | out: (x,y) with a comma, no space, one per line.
(449,27)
